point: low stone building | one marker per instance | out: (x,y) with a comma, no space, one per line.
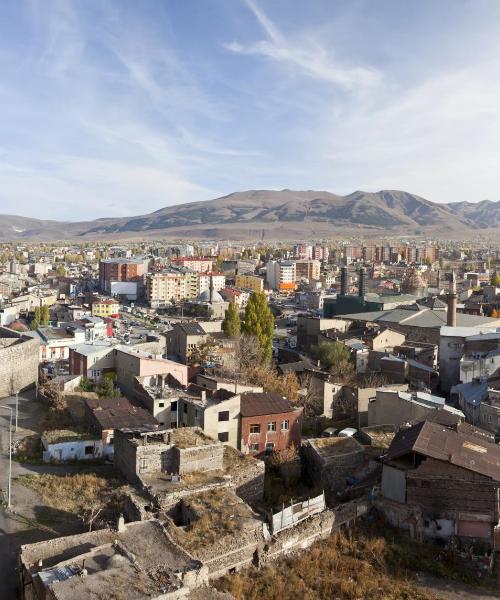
(329,461)
(139,560)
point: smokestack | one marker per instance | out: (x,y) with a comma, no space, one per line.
(361,282)
(343,281)
(438,279)
(451,318)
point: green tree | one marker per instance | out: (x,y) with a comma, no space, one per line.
(37,319)
(259,321)
(61,271)
(495,279)
(334,356)
(44,316)
(232,324)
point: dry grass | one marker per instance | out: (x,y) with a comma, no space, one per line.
(219,513)
(341,567)
(84,495)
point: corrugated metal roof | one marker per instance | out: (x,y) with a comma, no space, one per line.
(457,448)
(266,403)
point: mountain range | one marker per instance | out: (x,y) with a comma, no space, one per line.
(273,215)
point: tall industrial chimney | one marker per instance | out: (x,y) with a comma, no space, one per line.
(451,318)
(361,282)
(343,281)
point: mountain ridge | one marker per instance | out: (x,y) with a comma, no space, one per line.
(275,212)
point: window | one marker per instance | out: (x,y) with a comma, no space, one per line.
(224,415)
(223,436)
(161,404)
(254,428)
(173,405)
(254,447)
(269,448)
(89,450)
(285,425)
(111,441)
(185,408)
(271,426)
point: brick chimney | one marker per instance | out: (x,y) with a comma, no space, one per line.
(451,317)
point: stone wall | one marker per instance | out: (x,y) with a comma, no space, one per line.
(329,472)
(248,482)
(198,458)
(19,362)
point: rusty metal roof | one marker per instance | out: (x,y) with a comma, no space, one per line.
(439,442)
(265,403)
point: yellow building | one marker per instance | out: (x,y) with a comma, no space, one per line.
(105,308)
(249,282)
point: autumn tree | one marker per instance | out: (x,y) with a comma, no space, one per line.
(44,316)
(232,324)
(495,279)
(259,321)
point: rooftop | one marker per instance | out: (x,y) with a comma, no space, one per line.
(265,403)
(56,436)
(115,413)
(336,446)
(439,442)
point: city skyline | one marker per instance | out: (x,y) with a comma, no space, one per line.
(122,109)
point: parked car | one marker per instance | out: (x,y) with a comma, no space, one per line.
(330,432)
(348,432)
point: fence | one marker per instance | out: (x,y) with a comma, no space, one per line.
(293,514)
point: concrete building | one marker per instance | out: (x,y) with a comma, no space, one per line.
(93,361)
(105,307)
(281,276)
(249,282)
(392,407)
(122,276)
(308,269)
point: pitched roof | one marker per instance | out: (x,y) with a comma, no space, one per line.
(265,403)
(114,413)
(455,447)
(192,328)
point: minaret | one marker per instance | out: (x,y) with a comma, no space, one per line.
(343,281)
(361,282)
(451,318)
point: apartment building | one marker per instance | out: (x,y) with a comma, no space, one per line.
(249,282)
(308,269)
(105,307)
(281,275)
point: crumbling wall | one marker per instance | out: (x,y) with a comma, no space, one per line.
(198,458)
(18,363)
(248,482)
(331,473)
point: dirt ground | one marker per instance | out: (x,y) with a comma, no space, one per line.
(454,590)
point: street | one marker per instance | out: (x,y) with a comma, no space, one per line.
(19,526)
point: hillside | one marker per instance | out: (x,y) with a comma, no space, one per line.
(282,214)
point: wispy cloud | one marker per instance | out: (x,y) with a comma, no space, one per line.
(305,54)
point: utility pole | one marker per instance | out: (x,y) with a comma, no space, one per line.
(17,408)
(9,487)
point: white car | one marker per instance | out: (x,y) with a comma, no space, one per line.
(347,432)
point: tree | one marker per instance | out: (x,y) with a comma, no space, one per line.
(259,321)
(61,271)
(495,279)
(232,324)
(336,357)
(35,322)
(330,354)
(106,388)
(44,316)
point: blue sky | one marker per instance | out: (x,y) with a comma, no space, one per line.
(122,107)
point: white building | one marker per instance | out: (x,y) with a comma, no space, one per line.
(281,275)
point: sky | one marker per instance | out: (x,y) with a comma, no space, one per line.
(120,107)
